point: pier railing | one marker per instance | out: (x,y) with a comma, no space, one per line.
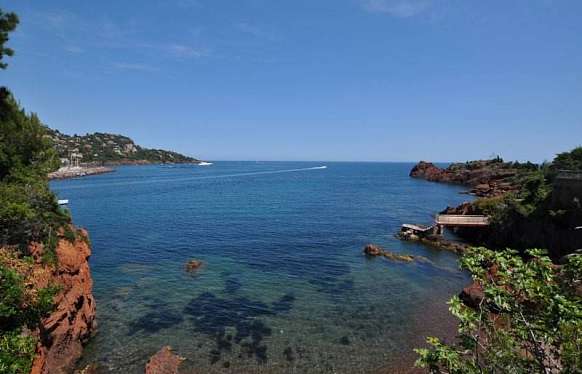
(461,220)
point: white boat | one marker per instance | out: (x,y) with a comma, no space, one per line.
(204,163)
(63,202)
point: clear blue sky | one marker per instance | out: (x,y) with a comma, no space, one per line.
(394,80)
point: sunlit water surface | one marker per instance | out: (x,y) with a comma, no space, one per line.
(284,286)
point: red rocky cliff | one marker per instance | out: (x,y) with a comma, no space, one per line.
(64,332)
(485,177)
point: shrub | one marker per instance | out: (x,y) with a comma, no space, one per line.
(530,319)
(16,353)
(28,209)
(20,308)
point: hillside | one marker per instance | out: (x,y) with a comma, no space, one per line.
(103,148)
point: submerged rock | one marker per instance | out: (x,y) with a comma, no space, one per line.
(374,250)
(164,362)
(397,257)
(193,265)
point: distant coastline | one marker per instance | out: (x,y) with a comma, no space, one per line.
(68,172)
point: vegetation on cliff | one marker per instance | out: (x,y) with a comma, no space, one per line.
(22,305)
(528,317)
(102,148)
(28,209)
(28,213)
(529,205)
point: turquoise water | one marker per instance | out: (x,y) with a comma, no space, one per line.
(284,286)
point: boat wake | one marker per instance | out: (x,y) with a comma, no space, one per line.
(192,178)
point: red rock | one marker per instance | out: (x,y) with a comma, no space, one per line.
(487,178)
(193,265)
(164,362)
(373,250)
(472,295)
(427,170)
(64,332)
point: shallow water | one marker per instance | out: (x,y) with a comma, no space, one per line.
(284,287)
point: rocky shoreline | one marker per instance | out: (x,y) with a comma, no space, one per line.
(109,167)
(486,178)
(64,332)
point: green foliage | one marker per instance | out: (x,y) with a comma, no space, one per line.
(569,160)
(16,353)
(28,212)
(28,209)
(8,22)
(533,195)
(530,319)
(26,153)
(11,294)
(20,308)
(69,233)
(99,148)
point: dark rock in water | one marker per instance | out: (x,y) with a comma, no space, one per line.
(472,295)
(156,320)
(193,265)
(284,304)
(289,355)
(212,315)
(373,250)
(226,365)
(164,362)
(231,286)
(345,340)
(214,356)
(435,241)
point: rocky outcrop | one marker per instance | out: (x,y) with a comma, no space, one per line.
(375,251)
(472,295)
(435,241)
(164,362)
(372,250)
(485,177)
(64,332)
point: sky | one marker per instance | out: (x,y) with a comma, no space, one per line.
(345,80)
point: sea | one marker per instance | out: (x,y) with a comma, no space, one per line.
(284,286)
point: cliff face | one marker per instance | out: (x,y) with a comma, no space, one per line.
(64,332)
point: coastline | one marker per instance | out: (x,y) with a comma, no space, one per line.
(80,171)
(108,167)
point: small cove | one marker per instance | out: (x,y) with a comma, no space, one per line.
(284,286)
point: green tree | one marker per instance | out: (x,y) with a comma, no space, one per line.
(568,160)
(28,209)
(529,320)
(8,22)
